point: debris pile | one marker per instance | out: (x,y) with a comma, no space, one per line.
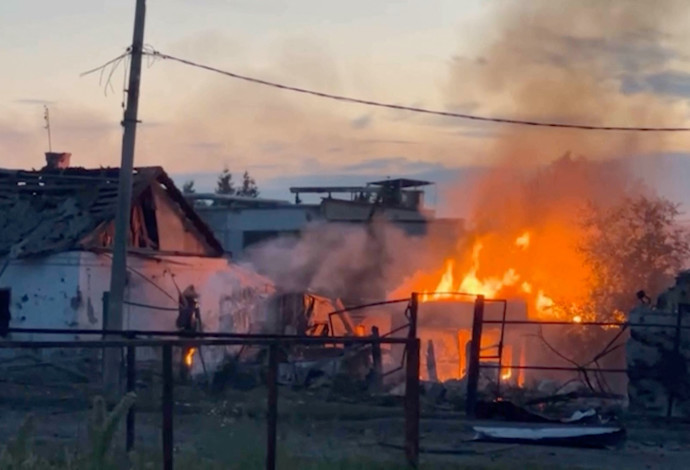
(658,356)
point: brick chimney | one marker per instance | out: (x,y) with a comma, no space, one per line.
(57,160)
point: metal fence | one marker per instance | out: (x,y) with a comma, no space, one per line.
(166,341)
(273,342)
(592,366)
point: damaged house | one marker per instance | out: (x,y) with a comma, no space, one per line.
(56,235)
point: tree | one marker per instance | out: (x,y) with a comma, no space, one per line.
(635,245)
(188,187)
(249,188)
(225,184)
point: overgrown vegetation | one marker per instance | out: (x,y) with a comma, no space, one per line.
(20,454)
(636,244)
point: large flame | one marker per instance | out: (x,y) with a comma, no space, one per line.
(490,286)
(540,266)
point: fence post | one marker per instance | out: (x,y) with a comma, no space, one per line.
(106,304)
(412,403)
(272,412)
(414,309)
(431,370)
(167,400)
(376,360)
(473,360)
(131,387)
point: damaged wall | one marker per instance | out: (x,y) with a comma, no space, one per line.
(66,291)
(46,293)
(658,358)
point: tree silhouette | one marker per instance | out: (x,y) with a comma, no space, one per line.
(249,188)
(225,184)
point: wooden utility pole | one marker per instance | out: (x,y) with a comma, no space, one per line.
(118,273)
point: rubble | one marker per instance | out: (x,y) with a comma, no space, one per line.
(657,357)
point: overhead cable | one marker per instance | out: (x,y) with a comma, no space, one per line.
(156,54)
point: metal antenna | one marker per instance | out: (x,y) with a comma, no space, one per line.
(46,116)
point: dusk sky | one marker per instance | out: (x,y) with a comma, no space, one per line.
(600,62)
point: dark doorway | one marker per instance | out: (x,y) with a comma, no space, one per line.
(5,317)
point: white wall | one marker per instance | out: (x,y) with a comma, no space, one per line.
(46,294)
(66,291)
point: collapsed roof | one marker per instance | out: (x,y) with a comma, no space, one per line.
(62,209)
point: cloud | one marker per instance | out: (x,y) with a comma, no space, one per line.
(669,83)
(390,141)
(201,145)
(361,122)
(567,61)
(33,101)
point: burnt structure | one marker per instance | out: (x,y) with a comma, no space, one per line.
(658,355)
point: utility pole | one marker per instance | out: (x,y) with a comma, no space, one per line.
(118,272)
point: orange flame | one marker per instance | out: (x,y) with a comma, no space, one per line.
(189,357)
(521,371)
(535,266)
(507,360)
(523,241)
(471,283)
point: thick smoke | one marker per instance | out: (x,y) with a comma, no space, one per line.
(569,61)
(355,262)
(579,61)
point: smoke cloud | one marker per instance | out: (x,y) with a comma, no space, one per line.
(568,61)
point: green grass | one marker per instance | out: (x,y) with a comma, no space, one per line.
(231,435)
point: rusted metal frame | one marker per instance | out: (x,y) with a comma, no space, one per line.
(473,361)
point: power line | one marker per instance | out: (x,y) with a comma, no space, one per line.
(156,54)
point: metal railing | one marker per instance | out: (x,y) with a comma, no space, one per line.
(171,340)
(475,359)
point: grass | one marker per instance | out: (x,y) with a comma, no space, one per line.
(313,435)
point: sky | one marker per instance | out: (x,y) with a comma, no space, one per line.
(620,62)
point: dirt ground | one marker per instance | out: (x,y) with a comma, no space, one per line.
(228,430)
